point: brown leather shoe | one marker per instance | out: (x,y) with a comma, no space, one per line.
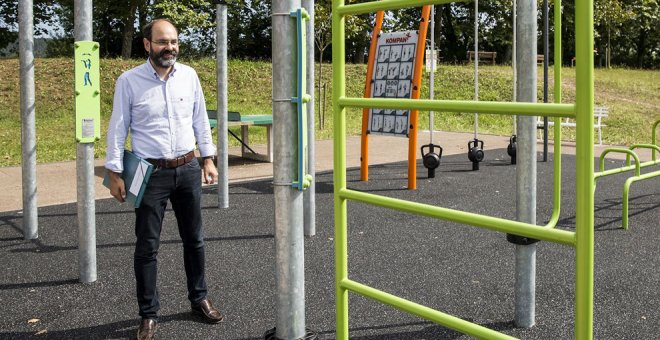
(147,330)
(206,310)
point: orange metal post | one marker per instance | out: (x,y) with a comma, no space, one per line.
(364,146)
(417,82)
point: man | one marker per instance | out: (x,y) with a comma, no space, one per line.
(162,104)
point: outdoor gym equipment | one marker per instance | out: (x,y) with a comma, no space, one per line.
(636,167)
(582,238)
(393,73)
(289,178)
(476,152)
(431,160)
(511,148)
(476,146)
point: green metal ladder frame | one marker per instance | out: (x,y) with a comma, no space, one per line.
(582,239)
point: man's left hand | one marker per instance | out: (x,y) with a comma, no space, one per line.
(210,172)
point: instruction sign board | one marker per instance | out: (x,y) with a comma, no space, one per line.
(392,78)
(87,91)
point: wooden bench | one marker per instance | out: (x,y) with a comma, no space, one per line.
(483,56)
(245,121)
(599,114)
(540,58)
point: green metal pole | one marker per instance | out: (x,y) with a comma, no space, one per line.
(339,117)
(557,52)
(557,129)
(584,211)
(653,136)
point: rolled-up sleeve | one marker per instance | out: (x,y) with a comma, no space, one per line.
(118,126)
(201,125)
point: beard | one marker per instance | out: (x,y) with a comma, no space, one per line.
(164,59)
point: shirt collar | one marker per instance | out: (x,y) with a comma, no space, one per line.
(153,72)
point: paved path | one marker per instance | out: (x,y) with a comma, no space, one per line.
(56,182)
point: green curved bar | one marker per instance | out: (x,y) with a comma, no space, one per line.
(653,146)
(628,153)
(626,190)
(556,207)
(637,177)
(645,146)
(556,198)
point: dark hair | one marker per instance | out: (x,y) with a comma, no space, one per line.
(146,30)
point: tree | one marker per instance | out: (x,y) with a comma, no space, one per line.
(357,27)
(249,31)
(644,26)
(43,18)
(128,32)
(609,14)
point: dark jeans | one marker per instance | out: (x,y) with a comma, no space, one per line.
(183,187)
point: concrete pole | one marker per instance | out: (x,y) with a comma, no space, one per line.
(309,202)
(28,130)
(476,65)
(289,240)
(85,167)
(432,75)
(525,285)
(222,106)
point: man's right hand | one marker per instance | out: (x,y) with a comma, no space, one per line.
(117,189)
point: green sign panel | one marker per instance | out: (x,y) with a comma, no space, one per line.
(87,91)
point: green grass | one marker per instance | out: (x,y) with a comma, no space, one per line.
(631,95)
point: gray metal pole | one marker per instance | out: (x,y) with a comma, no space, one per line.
(221,78)
(85,167)
(289,240)
(515,68)
(310,194)
(476,65)
(432,75)
(546,60)
(525,285)
(28,130)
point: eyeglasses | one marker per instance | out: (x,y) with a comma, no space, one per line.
(166,42)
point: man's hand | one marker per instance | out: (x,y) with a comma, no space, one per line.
(210,171)
(117,189)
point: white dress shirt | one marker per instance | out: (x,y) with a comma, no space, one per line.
(165,117)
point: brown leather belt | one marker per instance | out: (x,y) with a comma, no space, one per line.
(172,163)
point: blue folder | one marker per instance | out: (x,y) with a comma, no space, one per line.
(136,176)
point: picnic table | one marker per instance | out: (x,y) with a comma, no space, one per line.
(246,121)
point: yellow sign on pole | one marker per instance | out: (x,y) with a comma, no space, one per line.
(87,91)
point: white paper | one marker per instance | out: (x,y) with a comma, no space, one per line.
(138,178)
